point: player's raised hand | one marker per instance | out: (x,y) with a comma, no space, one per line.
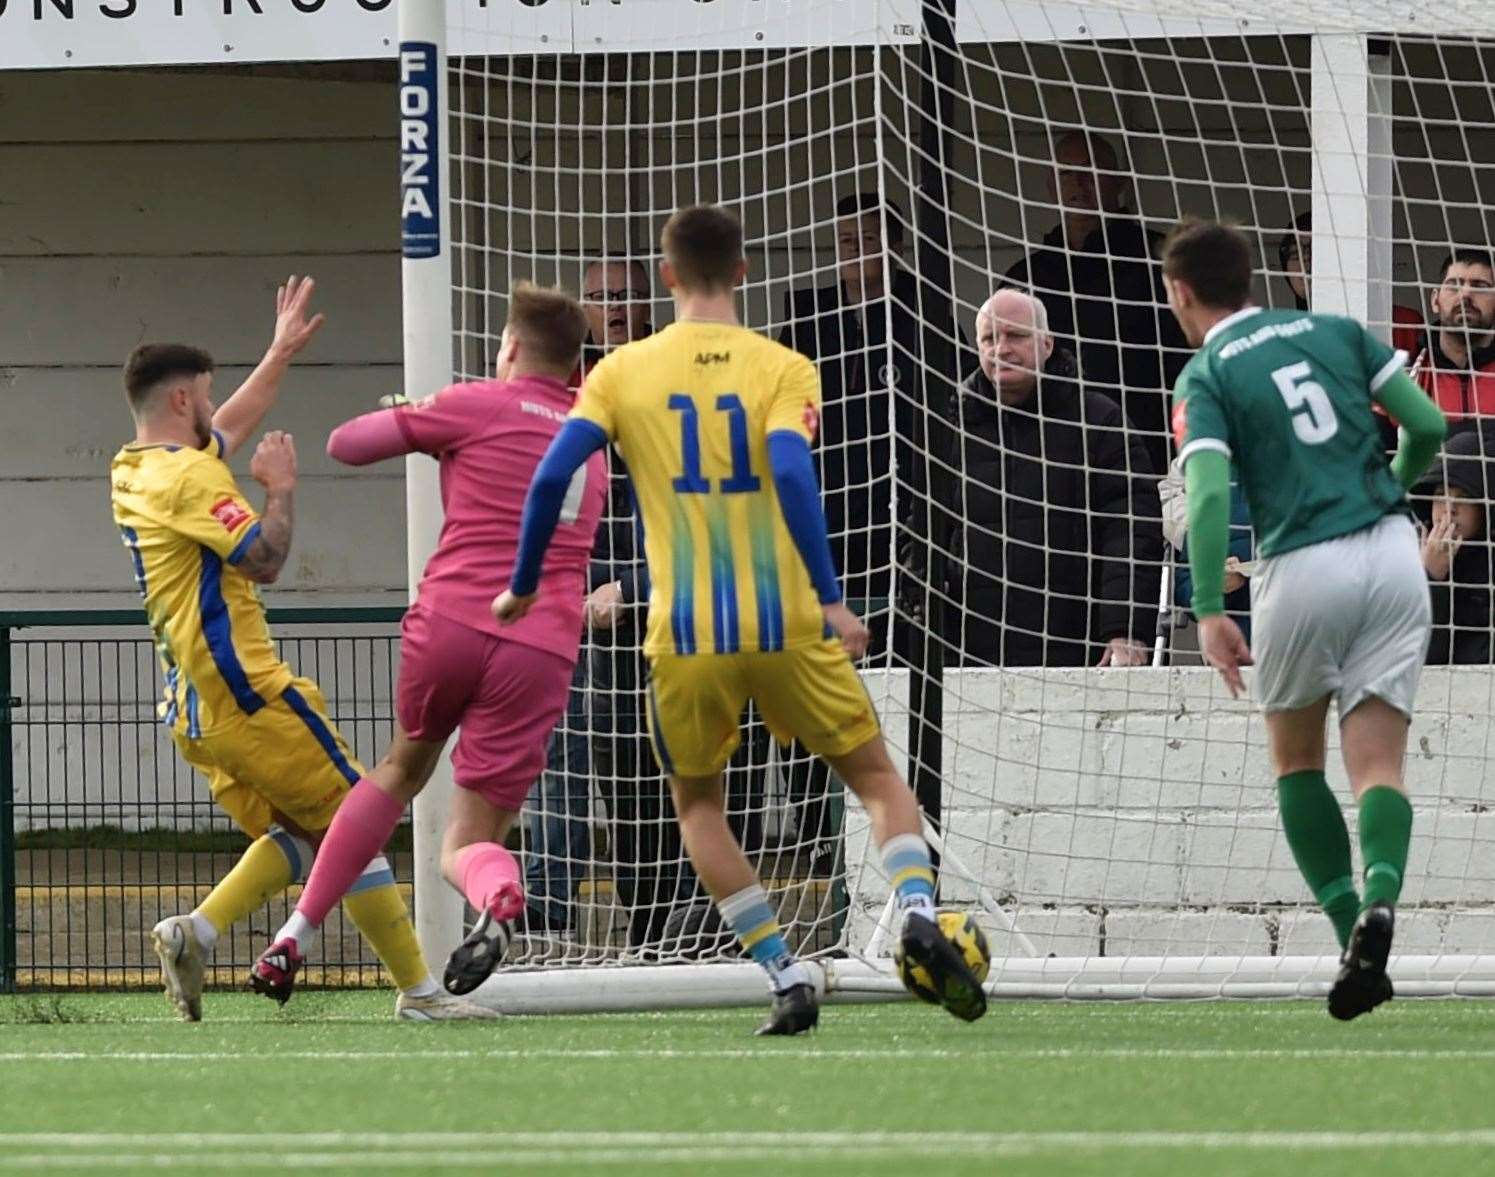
(274,463)
(509,608)
(847,626)
(1224,647)
(293,329)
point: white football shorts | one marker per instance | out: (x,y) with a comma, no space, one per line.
(1348,617)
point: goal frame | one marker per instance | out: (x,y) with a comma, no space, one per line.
(1350,130)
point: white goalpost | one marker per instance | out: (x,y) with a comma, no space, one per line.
(1113,829)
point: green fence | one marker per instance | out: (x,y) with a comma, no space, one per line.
(103,830)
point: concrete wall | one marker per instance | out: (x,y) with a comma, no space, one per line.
(168,205)
(1134,812)
(1106,812)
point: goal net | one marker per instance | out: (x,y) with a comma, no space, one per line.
(1113,827)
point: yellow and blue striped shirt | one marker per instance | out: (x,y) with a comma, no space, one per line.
(186,525)
(690,409)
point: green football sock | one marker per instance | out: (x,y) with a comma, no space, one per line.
(1385,833)
(1320,842)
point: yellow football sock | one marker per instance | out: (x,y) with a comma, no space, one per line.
(263,872)
(380,913)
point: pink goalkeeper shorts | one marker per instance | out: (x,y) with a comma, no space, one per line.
(507,698)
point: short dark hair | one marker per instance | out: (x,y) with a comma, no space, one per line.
(1466,255)
(870,202)
(152,364)
(1214,260)
(704,244)
(549,323)
(1289,243)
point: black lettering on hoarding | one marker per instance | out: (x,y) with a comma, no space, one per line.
(373,5)
(254,6)
(307,5)
(120,13)
(63,6)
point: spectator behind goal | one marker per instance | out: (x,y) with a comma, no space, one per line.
(616,298)
(1295,263)
(1456,547)
(606,731)
(1456,363)
(1057,553)
(1099,279)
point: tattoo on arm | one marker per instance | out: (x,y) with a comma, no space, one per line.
(267,555)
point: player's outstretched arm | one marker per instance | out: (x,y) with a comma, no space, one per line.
(1422,427)
(577,441)
(273,467)
(371,438)
(799,500)
(239,416)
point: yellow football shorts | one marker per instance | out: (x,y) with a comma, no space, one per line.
(812,694)
(287,760)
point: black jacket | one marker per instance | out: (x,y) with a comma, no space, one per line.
(614,655)
(1107,304)
(1462,604)
(1057,545)
(858,371)
(1461,610)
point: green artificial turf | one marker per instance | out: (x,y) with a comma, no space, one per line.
(113,1083)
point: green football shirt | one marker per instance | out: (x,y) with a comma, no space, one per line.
(1286,396)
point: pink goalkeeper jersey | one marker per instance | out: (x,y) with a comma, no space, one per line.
(489,436)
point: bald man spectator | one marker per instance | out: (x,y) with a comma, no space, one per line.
(1098,277)
(1058,545)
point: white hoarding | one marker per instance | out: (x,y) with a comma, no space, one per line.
(47,34)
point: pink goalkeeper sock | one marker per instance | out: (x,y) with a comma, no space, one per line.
(490,879)
(364,822)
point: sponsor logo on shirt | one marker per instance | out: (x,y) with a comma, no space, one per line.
(541,411)
(713,357)
(1271,331)
(230,514)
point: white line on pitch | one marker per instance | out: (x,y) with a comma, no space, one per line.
(767,1053)
(595,1149)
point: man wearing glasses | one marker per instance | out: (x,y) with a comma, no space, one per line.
(616,297)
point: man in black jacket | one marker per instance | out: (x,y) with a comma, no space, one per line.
(652,876)
(867,340)
(1098,276)
(1057,542)
(1456,551)
(883,396)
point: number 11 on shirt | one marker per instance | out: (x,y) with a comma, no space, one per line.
(743,480)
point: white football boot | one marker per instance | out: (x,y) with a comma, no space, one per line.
(440,1007)
(183,962)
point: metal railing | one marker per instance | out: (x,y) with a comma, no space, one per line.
(104,830)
